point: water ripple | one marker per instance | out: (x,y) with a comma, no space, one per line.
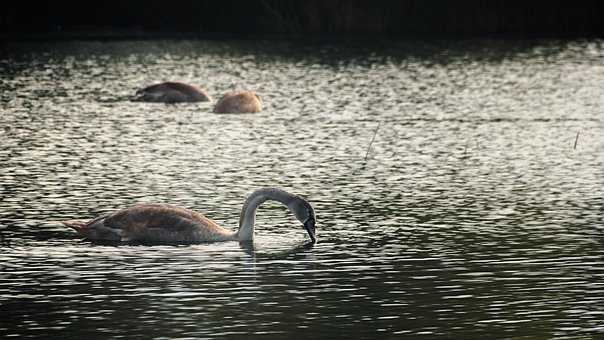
(473,215)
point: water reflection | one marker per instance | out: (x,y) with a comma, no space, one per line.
(472,215)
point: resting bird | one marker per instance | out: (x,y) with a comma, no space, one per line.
(172,92)
(163,223)
(239,102)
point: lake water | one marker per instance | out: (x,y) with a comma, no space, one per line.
(476,213)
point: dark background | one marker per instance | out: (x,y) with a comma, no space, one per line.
(309,17)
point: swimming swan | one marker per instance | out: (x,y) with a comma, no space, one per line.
(239,102)
(163,223)
(172,92)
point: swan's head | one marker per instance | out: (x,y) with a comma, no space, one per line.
(305,213)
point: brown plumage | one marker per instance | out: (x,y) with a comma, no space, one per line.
(172,92)
(152,223)
(163,223)
(239,102)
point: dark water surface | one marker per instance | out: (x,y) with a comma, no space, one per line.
(473,216)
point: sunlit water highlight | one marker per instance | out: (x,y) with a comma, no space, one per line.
(473,215)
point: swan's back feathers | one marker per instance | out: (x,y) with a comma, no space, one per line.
(172,92)
(181,87)
(153,223)
(239,102)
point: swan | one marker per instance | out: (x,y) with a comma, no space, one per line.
(239,102)
(164,223)
(172,92)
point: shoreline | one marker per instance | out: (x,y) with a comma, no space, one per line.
(118,35)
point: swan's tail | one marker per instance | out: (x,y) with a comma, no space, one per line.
(139,96)
(78,225)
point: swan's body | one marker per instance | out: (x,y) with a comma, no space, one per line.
(239,102)
(163,223)
(172,92)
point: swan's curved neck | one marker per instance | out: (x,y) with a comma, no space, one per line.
(247,219)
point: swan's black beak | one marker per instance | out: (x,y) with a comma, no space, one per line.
(309,225)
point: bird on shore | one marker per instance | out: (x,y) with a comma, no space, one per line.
(172,92)
(167,224)
(239,102)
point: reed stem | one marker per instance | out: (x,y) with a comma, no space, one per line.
(372,139)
